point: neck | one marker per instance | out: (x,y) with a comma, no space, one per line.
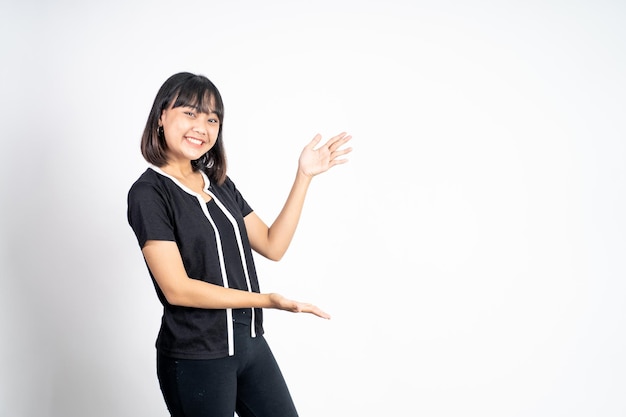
(179,170)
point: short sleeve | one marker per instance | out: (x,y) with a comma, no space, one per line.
(241,202)
(148,213)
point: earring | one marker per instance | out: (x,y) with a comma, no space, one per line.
(160,131)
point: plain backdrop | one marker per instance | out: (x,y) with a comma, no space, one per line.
(471,252)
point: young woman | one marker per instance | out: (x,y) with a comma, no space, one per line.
(197,234)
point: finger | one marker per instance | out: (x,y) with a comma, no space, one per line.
(316,139)
(310,308)
(338,142)
(334,139)
(340,152)
(340,135)
(321,314)
(338,157)
(337,162)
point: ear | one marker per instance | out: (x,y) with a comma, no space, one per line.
(161,117)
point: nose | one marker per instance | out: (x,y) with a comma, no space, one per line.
(198,128)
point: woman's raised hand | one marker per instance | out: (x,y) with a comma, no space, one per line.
(314,160)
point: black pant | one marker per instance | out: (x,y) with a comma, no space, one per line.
(249,382)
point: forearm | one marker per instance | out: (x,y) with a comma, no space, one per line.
(200,294)
(282,230)
(166,265)
(272,242)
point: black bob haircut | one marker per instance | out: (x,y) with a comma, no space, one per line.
(188,90)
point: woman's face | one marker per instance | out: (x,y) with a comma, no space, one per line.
(189,133)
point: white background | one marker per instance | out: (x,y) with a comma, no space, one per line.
(471,252)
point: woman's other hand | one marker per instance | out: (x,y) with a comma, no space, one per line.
(314,160)
(281,303)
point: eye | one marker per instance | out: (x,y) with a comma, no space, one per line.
(213,121)
(188,111)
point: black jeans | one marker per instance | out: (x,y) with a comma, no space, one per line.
(250,383)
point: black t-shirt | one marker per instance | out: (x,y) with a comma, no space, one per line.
(214,246)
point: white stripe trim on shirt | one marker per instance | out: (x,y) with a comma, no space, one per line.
(205,210)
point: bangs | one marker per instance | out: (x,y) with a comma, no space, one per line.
(201,95)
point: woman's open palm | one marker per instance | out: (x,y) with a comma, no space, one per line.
(314,160)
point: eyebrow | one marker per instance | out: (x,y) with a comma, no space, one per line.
(199,110)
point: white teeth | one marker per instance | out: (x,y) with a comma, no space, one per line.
(195,141)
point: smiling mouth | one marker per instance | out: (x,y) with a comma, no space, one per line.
(194,141)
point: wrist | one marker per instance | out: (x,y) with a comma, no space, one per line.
(302,176)
(272,300)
